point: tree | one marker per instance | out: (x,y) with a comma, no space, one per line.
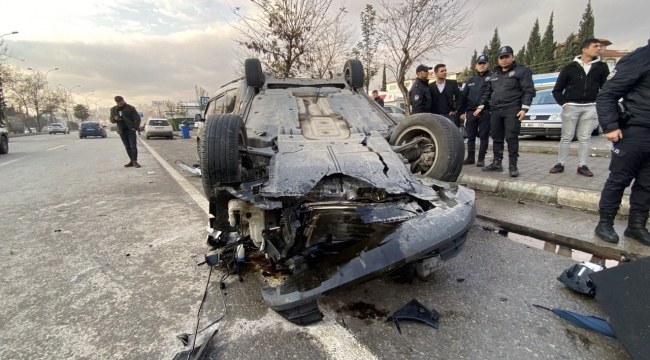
(570,50)
(65,101)
(81,112)
(170,108)
(285,32)
(331,52)
(533,47)
(587,24)
(494,47)
(547,49)
(383,79)
(200,92)
(15,86)
(521,55)
(366,49)
(414,30)
(36,94)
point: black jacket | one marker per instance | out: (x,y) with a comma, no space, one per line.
(630,80)
(420,97)
(511,88)
(450,92)
(574,86)
(471,95)
(379,101)
(130,117)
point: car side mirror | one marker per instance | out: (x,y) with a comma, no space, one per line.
(197,117)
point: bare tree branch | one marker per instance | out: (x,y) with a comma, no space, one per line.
(414,30)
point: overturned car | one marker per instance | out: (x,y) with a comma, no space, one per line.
(317,177)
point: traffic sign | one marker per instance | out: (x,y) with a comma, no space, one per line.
(204,100)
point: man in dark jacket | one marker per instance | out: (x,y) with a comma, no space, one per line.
(575,90)
(509,93)
(377,98)
(444,94)
(419,95)
(128,122)
(474,89)
(629,131)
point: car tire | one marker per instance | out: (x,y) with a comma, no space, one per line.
(220,160)
(50,133)
(253,72)
(353,72)
(4,145)
(147,137)
(445,137)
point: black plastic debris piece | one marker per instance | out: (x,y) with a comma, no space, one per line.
(128,255)
(593,323)
(198,353)
(460,280)
(415,311)
(503,299)
(559,206)
(521,202)
(304,314)
(577,278)
(217,242)
(503,233)
(57,230)
(184,338)
(212,259)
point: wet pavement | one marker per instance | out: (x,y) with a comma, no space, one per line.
(76,294)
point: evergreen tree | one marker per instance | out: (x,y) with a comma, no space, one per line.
(521,56)
(366,49)
(570,50)
(587,24)
(486,50)
(472,63)
(383,80)
(495,45)
(547,51)
(533,48)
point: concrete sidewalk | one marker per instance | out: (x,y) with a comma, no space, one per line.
(536,183)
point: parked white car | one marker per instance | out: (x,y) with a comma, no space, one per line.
(158,128)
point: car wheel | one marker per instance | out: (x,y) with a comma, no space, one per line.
(4,145)
(50,133)
(353,72)
(439,138)
(253,72)
(147,137)
(220,159)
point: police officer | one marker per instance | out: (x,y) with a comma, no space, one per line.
(629,132)
(509,94)
(419,95)
(476,125)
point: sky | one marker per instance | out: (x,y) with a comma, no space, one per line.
(152,50)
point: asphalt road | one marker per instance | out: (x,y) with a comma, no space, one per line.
(99,261)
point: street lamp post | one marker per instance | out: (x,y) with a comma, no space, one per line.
(11,33)
(96,108)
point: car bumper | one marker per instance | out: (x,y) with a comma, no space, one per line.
(159,133)
(541,128)
(57,131)
(441,231)
(91,133)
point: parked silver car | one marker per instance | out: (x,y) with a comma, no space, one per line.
(397,113)
(56,128)
(4,140)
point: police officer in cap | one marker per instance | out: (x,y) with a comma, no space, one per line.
(476,125)
(629,131)
(419,95)
(509,94)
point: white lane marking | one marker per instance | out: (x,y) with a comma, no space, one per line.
(54,148)
(11,161)
(38,139)
(79,140)
(198,197)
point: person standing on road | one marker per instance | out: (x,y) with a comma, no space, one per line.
(128,121)
(575,90)
(377,98)
(470,97)
(444,94)
(509,94)
(629,131)
(419,95)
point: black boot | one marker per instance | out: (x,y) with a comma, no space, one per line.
(512,169)
(494,166)
(605,228)
(636,227)
(481,160)
(470,158)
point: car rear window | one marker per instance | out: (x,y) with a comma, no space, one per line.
(87,125)
(158,123)
(56,125)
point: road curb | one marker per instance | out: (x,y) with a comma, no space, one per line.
(553,151)
(545,193)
